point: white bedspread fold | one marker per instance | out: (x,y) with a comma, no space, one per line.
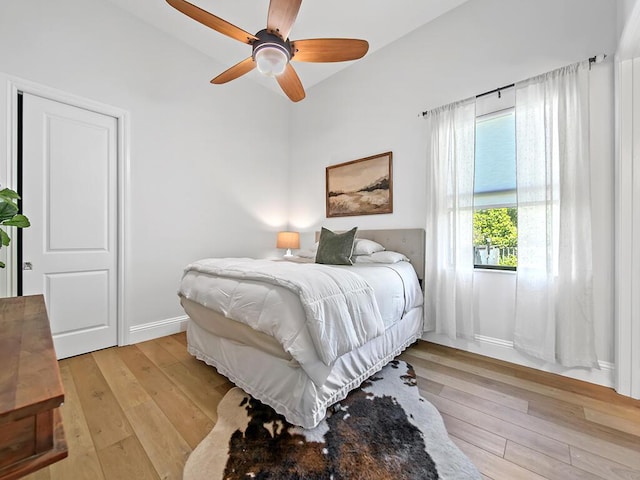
(340,307)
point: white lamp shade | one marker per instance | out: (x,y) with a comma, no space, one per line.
(271,60)
(288,240)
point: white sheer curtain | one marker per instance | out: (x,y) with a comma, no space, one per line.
(449,252)
(554,298)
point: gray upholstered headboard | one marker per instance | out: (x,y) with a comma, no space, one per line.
(408,241)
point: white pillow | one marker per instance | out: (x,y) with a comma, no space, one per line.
(307,253)
(381,257)
(363,246)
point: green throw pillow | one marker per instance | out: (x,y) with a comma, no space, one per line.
(335,248)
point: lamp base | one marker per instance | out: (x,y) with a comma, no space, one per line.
(288,253)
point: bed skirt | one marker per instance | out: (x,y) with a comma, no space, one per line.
(285,386)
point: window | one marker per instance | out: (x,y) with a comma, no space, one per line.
(495,218)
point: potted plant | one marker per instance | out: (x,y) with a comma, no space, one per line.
(9,216)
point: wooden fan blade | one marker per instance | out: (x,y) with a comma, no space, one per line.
(328,49)
(211,21)
(282,14)
(291,84)
(236,71)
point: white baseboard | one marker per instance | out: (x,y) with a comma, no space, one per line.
(157,329)
(504,350)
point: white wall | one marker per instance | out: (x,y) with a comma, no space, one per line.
(373,107)
(205,174)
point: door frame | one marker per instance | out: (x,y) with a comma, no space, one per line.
(9,88)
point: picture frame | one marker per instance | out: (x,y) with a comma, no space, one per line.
(360,187)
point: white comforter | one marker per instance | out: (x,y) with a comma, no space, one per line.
(339,306)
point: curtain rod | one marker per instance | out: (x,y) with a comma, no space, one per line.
(592,60)
(493,91)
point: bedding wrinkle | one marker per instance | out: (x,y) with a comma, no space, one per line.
(396,288)
(404,288)
(269,317)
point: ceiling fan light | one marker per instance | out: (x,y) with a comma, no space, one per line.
(271,59)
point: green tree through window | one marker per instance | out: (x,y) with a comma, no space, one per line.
(498,228)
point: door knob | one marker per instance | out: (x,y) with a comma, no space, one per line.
(27,266)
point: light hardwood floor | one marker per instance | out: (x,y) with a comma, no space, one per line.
(136,412)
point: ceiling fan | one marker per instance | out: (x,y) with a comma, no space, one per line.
(272,50)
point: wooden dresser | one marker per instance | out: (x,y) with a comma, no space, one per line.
(31,433)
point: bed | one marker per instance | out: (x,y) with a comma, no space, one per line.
(267,325)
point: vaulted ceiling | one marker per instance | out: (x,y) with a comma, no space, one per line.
(377,21)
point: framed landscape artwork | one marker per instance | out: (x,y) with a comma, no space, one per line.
(360,187)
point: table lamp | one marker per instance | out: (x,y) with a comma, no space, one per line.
(288,240)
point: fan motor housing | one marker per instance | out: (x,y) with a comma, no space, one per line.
(267,39)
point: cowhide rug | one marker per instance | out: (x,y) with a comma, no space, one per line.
(382,430)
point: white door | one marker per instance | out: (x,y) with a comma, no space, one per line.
(69,193)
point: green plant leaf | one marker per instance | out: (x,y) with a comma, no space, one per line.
(1,264)
(18,220)
(4,238)
(7,211)
(9,194)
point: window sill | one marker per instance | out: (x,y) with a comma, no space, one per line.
(494,269)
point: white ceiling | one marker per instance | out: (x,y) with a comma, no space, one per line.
(380,22)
